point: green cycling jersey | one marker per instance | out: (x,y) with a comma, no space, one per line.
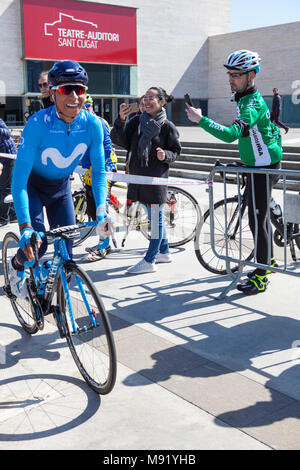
(259,140)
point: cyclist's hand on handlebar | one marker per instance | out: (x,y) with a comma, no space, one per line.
(25,242)
(105,227)
(194,114)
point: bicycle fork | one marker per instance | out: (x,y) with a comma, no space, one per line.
(76,329)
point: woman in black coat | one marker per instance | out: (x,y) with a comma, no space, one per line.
(152,143)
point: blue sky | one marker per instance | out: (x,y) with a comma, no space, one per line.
(260,13)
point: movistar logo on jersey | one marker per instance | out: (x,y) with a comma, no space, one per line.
(59,160)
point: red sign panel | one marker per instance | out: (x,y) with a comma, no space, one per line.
(82,31)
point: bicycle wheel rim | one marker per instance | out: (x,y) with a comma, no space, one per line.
(21,307)
(203,249)
(94,350)
(181,217)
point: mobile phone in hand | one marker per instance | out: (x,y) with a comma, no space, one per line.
(134,107)
(188,100)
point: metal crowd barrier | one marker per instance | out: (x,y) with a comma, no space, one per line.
(290,206)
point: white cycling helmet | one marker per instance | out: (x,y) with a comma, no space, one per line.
(243,60)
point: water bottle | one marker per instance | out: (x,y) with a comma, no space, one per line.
(276,209)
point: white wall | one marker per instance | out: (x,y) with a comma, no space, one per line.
(172,42)
(279,48)
(172,48)
(11,65)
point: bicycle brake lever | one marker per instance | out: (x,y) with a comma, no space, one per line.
(33,243)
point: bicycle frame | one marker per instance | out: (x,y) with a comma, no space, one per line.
(59,260)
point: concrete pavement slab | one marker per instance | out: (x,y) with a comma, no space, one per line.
(194,372)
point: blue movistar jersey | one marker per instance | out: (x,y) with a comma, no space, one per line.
(107,144)
(52,148)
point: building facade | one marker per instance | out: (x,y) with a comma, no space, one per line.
(279,49)
(171,48)
(134,44)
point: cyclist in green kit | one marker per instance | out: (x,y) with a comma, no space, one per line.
(259,144)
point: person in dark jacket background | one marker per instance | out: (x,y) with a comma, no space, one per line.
(44,88)
(7,145)
(152,143)
(276,110)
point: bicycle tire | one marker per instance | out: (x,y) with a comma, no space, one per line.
(93,350)
(297,239)
(81,215)
(181,217)
(22,307)
(202,243)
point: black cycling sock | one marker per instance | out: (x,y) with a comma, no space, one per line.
(259,272)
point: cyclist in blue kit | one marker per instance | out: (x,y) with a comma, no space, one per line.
(53,143)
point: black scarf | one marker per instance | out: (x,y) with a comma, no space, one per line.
(149,127)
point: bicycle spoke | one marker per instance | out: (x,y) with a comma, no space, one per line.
(88,331)
(22,307)
(226,241)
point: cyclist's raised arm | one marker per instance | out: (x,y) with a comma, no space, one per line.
(99,182)
(27,150)
(240,128)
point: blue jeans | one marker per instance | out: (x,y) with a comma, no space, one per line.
(158,241)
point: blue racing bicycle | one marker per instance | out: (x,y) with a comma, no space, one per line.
(60,288)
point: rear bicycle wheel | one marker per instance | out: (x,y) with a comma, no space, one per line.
(230,236)
(81,215)
(22,307)
(181,217)
(88,330)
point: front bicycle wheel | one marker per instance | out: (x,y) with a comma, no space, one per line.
(88,330)
(181,217)
(81,215)
(22,307)
(229,237)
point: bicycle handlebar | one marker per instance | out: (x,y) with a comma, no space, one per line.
(233,164)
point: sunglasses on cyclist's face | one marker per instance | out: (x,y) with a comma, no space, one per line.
(68,89)
(43,85)
(236,74)
(87,105)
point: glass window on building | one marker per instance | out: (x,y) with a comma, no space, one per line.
(11,111)
(289,114)
(104,79)
(178,114)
